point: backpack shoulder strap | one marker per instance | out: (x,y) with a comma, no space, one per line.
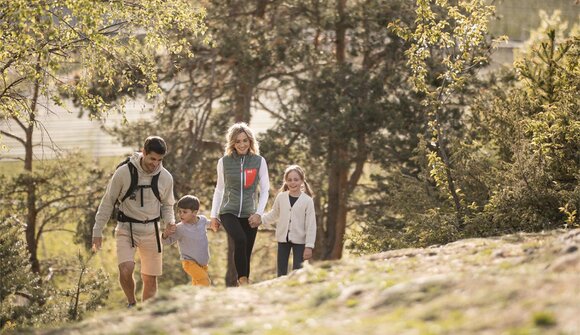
(155,186)
(134,180)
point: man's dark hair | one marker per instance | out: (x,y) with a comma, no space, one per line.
(188,202)
(155,144)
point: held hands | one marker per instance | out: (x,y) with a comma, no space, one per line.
(255,220)
(170,229)
(307,253)
(214,224)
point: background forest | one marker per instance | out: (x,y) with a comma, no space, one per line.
(406,136)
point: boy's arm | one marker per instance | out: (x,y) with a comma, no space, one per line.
(169,235)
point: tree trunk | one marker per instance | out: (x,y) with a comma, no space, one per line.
(338,166)
(31,215)
(243,96)
(338,193)
(450,179)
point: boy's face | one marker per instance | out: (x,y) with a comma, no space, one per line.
(187,215)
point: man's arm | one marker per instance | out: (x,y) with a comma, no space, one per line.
(107,204)
(168,201)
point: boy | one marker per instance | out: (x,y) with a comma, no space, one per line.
(191,237)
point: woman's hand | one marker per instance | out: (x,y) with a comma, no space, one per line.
(214,224)
(255,220)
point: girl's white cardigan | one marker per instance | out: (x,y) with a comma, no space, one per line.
(298,221)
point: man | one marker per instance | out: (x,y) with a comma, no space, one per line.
(141,206)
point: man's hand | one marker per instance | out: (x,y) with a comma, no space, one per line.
(307,253)
(170,229)
(97,241)
(214,224)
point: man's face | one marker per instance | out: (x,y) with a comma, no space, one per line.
(151,161)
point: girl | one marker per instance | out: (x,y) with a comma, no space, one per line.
(293,209)
(241,171)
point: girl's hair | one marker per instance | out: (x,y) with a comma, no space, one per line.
(302,175)
(234,131)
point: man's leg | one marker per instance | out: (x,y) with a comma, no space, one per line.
(149,286)
(126,280)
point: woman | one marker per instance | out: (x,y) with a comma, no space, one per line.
(240,171)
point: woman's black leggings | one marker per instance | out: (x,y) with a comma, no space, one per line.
(244,237)
(284,254)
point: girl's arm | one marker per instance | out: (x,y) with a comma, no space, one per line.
(273,215)
(310,224)
(264,187)
(218,193)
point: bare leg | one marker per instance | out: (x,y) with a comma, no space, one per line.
(126,280)
(149,286)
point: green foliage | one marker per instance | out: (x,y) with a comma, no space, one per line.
(51,44)
(447,44)
(544,319)
(515,165)
(21,295)
(89,293)
(538,179)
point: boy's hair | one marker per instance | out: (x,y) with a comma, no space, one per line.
(234,131)
(188,202)
(155,144)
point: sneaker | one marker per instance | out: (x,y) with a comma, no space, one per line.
(131,305)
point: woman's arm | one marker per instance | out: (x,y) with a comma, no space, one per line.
(264,187)
(218,193)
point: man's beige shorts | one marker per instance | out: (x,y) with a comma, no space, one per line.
(145,244)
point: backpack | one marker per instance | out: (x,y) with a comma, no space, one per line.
(117,214)
(135,181)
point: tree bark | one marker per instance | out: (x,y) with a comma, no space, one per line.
(32,212)
(338,193)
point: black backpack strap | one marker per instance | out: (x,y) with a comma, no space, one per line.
(134,181)
(155,186)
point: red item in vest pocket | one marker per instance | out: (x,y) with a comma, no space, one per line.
(249,177)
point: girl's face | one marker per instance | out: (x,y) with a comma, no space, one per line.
(293,181)
(242,144)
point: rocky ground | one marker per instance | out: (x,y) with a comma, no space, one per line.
(516,284)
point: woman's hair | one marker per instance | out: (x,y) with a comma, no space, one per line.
(234,131)
(302,175)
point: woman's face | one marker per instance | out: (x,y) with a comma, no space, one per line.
(293,181)
(242,144)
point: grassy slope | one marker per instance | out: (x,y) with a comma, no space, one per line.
(517,284)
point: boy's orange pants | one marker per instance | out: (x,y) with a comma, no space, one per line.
(198,273)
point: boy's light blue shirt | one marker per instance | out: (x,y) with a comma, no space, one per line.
(192,240)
